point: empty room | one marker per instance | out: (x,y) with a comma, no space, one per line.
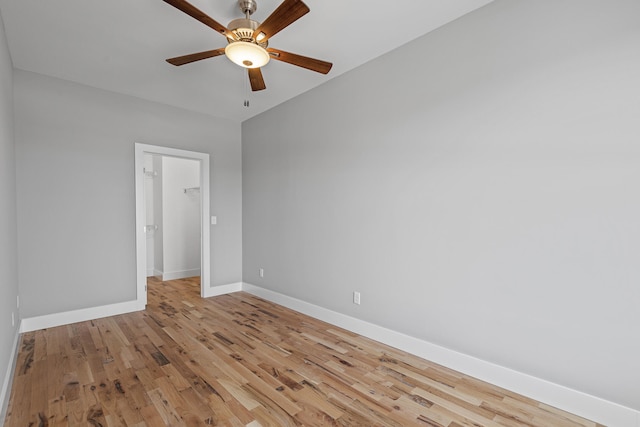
(408,213)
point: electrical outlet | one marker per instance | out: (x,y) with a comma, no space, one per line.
(13,319)
(262,272)
(17,301)
(356,298)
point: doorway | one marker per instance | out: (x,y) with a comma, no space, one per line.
(172,207)
(143,229)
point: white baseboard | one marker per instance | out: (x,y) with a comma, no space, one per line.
(58,319)
(150,272)
(222,290)
(5,393)
(573,401)
(173,275)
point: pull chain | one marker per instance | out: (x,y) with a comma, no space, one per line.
(246,91)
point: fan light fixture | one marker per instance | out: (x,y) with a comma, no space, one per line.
(247,54)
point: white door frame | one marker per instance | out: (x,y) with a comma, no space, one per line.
(141,217)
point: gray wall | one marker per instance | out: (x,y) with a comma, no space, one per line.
(8,236)
(479,186)
(75,178)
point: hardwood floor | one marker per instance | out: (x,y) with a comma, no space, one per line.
(237,360)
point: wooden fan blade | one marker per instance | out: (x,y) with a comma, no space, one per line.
(196,13)
(301,61)
(255,77)
(193,57)
(286,14)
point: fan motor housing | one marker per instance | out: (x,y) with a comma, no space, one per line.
(244,28)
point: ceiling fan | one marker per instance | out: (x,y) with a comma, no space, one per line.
(248,40)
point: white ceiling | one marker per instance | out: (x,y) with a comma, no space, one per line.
(121,45)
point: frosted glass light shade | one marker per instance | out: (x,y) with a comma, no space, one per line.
(246,54)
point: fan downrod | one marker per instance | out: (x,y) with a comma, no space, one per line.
(248,6)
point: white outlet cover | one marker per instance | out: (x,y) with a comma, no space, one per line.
(356,297)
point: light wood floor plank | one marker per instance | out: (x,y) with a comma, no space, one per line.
(237,360)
